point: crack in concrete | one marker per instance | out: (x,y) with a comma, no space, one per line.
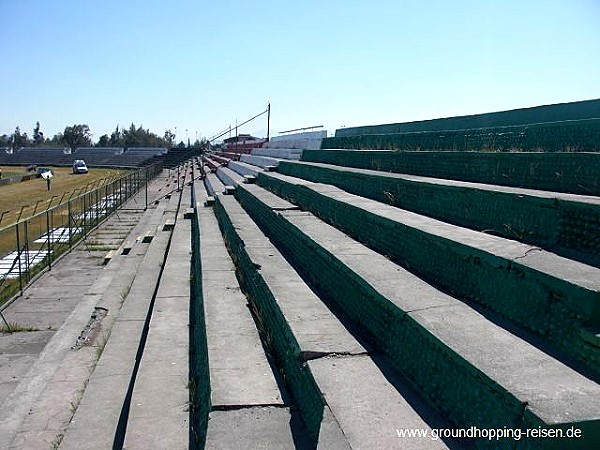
(91,330)
(311,356)
(426,308)
(241,407)
(527,252)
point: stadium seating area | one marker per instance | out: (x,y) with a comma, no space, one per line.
(94,156)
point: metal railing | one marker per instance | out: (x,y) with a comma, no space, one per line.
(32,244)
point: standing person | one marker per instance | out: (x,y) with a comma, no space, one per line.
(48,182)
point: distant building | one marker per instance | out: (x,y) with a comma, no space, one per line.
(242,143)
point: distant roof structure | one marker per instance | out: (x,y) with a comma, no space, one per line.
(241,137)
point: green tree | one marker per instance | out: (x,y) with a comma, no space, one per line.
(5,140)
(38,136)
(77,136)
(56,141)
(169,139)
(116,138)
(104,141)
(140,137)
(19,139)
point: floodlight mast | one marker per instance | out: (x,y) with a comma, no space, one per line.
(268,120)
(228,130)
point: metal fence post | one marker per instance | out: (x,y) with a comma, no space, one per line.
(146,188)
(19,257)
(69,224)
(49,239)
(27,262)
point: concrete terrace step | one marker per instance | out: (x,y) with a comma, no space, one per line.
(468,367)
(244,169)
(576,172)
(234,346)
(282,153)
(214,186)
(201,194)
(244,395)
(265,162)
(311,344)
(219,158)
(211,163)
(564,223)
(159,411)
(99,418)
(229,177)
(553,297)
(43,401)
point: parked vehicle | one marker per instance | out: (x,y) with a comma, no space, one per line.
(42,170)
(79,166)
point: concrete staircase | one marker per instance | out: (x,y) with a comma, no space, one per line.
(387,303)
(280,303)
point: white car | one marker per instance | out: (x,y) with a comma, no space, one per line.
(79,166)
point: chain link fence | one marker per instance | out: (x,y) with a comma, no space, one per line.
(34,243)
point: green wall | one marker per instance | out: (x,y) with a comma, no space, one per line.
(561,226)
(548,113)
(577,173)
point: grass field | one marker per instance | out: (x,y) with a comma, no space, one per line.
(34,194)
(25,199)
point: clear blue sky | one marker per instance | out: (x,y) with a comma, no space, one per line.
(200,65)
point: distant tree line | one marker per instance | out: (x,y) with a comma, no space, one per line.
(79,135)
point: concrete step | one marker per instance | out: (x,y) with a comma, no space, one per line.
(201,193)
(577,172)
(265,162)
(282,153)
(234,346)
(562,223)
(309,342)
(43,399)
(551,296)
(101,414)
(229,178)
(467,366)
(243,391)
(211,163)
(214,186)
(249,429)
(244,169)
(159,411)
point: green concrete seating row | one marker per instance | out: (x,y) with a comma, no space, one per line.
(467,366)
(567,224)
(576,173)
(555,298)
(344,399)
(241,391)
(213,184)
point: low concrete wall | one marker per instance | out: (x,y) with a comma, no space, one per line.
(308,140)
(577,173)
(554,308)
(557,222)
(198,366)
